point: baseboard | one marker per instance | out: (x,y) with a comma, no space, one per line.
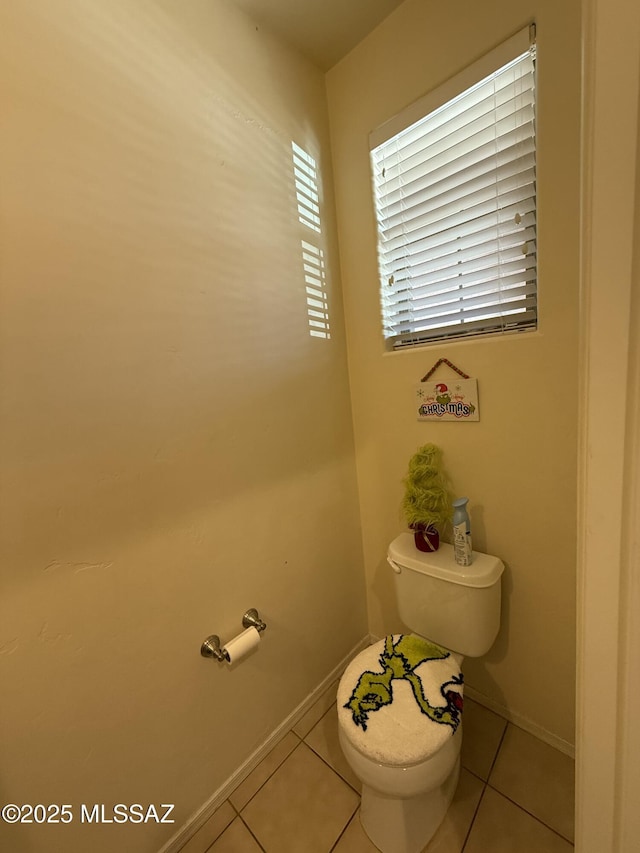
(202,815)
(522,722)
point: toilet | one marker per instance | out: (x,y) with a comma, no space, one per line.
(400,700)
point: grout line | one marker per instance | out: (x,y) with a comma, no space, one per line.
(333,770)
(473,819)
(322,758)
(485,785)
(255,793)
(473,773)
(252,834)
(506,796)
(346,826)
(531,814)
(495,757)
(219,836)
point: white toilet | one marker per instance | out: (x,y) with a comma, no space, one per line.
(400,700)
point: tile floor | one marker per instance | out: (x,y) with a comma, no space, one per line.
(515,795)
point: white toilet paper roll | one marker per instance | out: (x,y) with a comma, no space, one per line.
(240,646)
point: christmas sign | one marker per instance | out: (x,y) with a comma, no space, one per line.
(451,400)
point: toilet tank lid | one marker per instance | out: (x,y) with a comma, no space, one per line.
(484,571)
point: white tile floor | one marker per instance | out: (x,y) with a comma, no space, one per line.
(515,795)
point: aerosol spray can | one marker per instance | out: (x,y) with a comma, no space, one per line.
(462,533)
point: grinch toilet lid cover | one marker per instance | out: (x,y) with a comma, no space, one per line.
(400,700)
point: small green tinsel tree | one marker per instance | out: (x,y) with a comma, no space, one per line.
(427,500)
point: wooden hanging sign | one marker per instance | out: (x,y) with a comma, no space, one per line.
(453,400)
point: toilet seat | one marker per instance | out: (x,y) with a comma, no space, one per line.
(400,700)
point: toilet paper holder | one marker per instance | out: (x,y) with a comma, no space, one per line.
(211,647)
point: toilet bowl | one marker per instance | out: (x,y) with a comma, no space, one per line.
(402,807)
(408,764)
(404,781)
(400,700)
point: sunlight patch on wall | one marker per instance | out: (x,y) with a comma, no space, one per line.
(308,200)
(306,177)
(315,285)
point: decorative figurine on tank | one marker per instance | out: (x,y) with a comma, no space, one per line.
(427,499)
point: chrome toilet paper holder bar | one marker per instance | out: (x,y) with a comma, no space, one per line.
(211,647)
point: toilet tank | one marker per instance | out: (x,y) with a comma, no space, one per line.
(457,607)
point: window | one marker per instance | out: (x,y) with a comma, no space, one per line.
(454,181)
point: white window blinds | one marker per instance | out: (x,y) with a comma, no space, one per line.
(455,196)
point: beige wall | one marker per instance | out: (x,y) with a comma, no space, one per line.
(518,464)
(175,446)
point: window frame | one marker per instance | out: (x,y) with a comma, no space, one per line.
(521,313)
